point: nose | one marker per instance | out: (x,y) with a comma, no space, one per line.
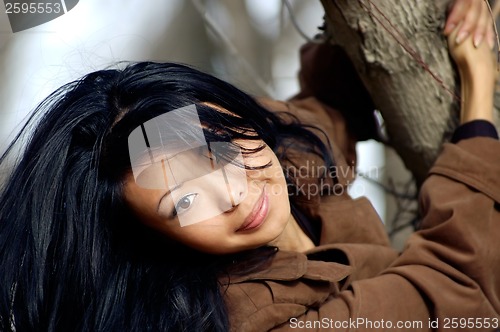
(227,189)
(236,197)
(237,194)
(236,189)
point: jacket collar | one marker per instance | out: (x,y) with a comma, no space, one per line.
(290,265)
(342,221)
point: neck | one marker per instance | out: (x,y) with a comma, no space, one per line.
(293,238)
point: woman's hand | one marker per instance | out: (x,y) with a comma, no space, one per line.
(473,19)
(476,66)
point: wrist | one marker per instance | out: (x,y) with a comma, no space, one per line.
(477,96)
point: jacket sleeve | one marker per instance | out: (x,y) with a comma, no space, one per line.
(448,276)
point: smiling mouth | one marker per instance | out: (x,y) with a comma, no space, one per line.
(258,214)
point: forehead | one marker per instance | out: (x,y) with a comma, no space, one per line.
(172,132)
(172,148)
(159,171)
(164,137)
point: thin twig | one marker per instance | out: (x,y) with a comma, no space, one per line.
(295,24)
(233,50)
(387,189)
(405,44)
(496,33)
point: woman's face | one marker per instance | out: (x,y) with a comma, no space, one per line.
(258,212)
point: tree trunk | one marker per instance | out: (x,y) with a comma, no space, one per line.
(420,106)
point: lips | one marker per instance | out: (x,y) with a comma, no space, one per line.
(258,214)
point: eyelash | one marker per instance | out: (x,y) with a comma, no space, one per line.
(177,205)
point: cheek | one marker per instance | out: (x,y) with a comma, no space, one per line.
(209,238)
(142,203)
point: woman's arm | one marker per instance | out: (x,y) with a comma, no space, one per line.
(449,272)
(477,77)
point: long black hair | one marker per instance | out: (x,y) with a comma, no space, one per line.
(72,255)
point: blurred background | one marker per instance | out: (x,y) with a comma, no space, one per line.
(253,44)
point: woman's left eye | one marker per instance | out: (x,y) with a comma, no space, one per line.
(184,203)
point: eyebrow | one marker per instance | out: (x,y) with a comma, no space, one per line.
(167,193)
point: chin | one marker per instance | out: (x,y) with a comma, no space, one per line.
(274,233)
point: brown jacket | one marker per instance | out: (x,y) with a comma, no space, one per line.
(447,277)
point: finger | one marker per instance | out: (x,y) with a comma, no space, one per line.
(452,36)
(483,24)
(470,21)
(456,15)
(491,34)
(490,37)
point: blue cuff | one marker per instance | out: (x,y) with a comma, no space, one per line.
(474,128)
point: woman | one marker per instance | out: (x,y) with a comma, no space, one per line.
(128,211)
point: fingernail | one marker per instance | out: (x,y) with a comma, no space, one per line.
(477,40)
(461,36)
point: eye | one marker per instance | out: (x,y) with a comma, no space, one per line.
(184,204)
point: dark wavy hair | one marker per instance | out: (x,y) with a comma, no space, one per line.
(72,255)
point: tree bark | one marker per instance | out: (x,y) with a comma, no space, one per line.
(420,106)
